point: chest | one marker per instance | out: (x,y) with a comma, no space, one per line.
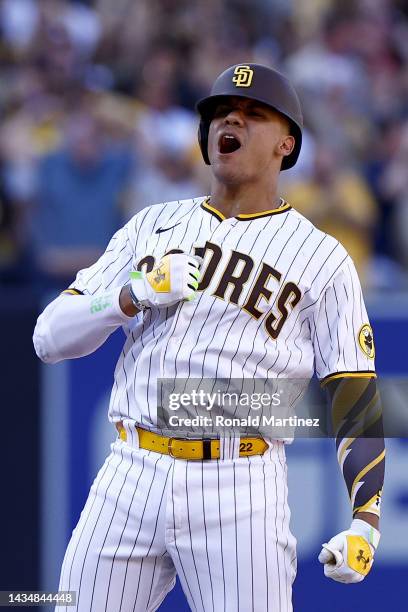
(259,268)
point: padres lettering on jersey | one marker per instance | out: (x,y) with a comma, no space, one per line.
(282,292)
(237,275)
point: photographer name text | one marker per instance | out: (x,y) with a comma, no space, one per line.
(249,421)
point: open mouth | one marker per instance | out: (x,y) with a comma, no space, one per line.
(228,144)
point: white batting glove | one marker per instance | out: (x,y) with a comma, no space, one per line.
(174,278)
(348,557)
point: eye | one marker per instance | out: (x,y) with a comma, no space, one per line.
(221,111)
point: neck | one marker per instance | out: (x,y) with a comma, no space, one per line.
(233,200)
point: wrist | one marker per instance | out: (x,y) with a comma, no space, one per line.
(126,302)
(368,517)
(365,529)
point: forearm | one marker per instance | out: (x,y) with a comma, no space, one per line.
(357,419)
(76,325)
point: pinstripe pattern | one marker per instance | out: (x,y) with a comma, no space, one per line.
(223,525)
(212,337)
(148,515)
(119,561)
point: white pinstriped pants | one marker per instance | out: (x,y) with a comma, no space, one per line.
(223,526)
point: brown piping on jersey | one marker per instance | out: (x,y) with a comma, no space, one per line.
(355,374)
(72,291)
(284,207)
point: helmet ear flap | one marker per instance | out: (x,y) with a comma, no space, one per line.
(203,129)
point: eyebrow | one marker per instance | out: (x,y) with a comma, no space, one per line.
(248,104)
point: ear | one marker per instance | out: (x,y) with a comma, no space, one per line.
(286,145)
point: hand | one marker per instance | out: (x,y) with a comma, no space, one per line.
(174,279)
(348,557)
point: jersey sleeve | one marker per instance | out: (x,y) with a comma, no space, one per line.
(111,270)
(341,333)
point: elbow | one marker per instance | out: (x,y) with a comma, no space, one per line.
(43,343)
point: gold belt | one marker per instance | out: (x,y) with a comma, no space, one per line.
(191,448)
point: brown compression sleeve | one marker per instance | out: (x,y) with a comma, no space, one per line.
(358,427)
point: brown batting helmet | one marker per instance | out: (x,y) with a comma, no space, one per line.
(259,83)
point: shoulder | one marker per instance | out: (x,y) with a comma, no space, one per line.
(327,256)
(328,242)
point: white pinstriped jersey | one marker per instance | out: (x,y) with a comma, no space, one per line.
(278,298)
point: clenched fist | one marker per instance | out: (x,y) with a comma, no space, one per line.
(173,279)
(348,557)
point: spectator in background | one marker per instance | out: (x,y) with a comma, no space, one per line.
(163,121)
(333,84)
(79,191)
(325,62)
(339,202)
(171,176)
(144,64)
(166,137)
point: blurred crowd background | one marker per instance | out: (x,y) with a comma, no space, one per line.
(97,121)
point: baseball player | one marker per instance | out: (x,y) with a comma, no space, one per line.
(237,285)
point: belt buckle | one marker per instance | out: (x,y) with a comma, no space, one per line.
(170,447)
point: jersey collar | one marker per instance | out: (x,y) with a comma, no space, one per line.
(284,207)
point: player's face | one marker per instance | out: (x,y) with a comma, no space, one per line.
(246,140)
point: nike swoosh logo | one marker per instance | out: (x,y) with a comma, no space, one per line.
(160,230)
